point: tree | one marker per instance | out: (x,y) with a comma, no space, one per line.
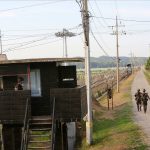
(147,65)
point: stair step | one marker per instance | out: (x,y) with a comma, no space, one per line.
(34,135)
(39,138)
(41,129)
(31,132)
(40,126)
(40,141)
(40,133)
(38,148)
(36,118)
(40,123)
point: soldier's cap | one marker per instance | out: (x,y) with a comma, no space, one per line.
(138,90)
(144,90)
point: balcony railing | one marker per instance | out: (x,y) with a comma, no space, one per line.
(12,106)
(70,103)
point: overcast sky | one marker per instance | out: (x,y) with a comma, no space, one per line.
(28,27)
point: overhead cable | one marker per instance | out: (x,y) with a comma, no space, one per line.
(146,21)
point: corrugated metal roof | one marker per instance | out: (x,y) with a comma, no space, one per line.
(61,60)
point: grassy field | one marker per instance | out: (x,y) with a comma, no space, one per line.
(147,75)
(115,129)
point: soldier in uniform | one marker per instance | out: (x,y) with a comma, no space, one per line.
(109,93)
(145,98)
(138,99)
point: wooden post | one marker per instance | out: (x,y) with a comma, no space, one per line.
(62,135)
(108,102)
(112,97)
(107,96)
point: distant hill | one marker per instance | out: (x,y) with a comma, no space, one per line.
(106,62)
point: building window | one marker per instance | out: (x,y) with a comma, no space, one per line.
(35,82)
(1,84)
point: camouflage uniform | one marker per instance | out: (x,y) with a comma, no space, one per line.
(145,98)
(138,99)
(109,93)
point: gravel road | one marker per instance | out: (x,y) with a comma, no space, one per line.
(143,120)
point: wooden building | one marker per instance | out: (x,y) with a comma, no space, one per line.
(39,95)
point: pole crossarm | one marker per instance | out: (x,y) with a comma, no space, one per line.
(64,34)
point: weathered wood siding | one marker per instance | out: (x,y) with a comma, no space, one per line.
(49,79)
(12,106)
(13,69)
(12,135)
(70,103)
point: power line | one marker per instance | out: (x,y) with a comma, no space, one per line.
(30,42)
(146,21)
(31,46)
(43,29)
(24,37)
(20,43)
(100,12)
(104,51)
(96,26)
(28,6)
(100,34)
(95,15)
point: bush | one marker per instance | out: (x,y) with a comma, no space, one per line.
(147,65)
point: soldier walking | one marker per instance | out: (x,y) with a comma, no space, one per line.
(138,99)
(145,98)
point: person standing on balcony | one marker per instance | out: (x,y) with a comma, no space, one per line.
(19,85)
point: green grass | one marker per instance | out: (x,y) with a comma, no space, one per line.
(147,75)
(107,129)
(118,131)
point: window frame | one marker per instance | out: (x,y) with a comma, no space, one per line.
(39,80)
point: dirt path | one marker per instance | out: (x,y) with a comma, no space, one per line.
(143,120)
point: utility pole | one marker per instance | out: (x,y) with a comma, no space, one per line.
(64,34)
(86,26)
(132,63)
(117,45)
(116,32)
(1,42)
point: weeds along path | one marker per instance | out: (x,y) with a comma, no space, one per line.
(143,120)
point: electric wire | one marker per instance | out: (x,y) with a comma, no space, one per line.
(8,50)
(96,4)
(28,6)
(108,18)
(28,43)
(104,51)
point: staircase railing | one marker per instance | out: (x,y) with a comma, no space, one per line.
(24,141)
(2,146)
(53,125)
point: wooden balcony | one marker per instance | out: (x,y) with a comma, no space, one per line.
(70,103)
(12,106)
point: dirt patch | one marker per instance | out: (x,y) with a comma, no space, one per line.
(121,97)
(100,107)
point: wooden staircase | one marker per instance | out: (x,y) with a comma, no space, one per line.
(40,133)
